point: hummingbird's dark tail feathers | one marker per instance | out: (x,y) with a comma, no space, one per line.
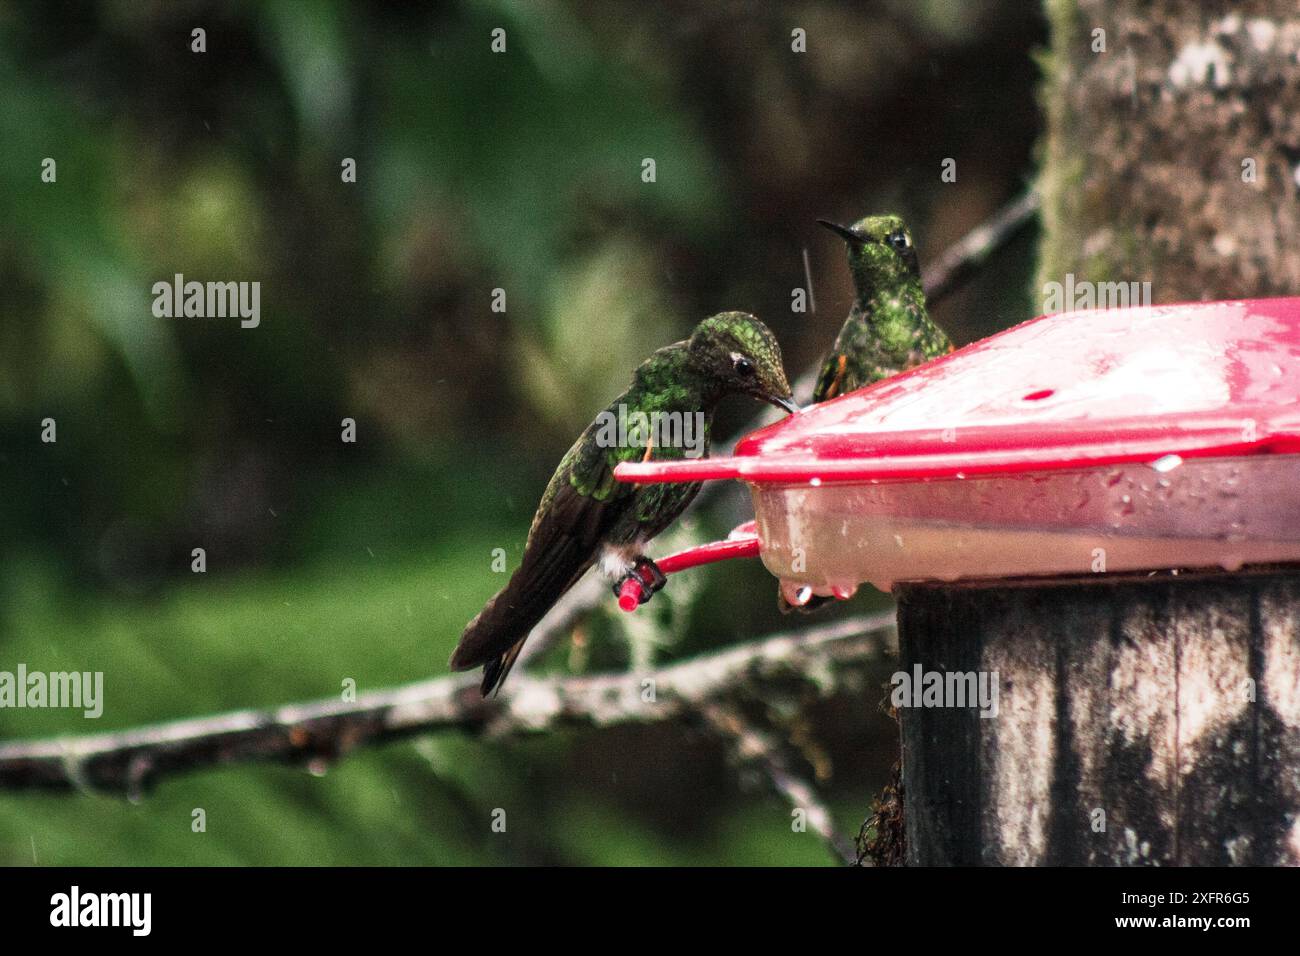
(496,670)
(496,635)
(494,638)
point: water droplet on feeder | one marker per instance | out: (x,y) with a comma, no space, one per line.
(1167,463)
(795,594)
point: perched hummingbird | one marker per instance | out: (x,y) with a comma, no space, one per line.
(888,329)
(586,516)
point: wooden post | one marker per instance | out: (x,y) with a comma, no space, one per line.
(1141,720)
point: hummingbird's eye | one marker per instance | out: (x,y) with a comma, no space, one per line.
(898,240)
(743,366)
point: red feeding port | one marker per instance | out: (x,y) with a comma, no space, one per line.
(743,543)
(1120,439)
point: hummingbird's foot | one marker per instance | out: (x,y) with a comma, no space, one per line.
(647,576)
(650,576)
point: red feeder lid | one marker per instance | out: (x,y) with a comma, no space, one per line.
(1068,390)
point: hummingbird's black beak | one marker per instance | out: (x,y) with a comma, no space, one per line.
(844,232)
(785,403)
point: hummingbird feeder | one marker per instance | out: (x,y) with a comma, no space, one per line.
(1095,441)
(1098,514)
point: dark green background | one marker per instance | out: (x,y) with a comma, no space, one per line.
(475,171)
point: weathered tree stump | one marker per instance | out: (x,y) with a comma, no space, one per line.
(1142,720)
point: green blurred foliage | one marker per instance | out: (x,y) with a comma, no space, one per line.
(476,171)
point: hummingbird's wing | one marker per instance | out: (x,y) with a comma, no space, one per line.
(581,504)
(830,380)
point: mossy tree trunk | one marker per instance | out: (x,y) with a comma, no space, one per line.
(1144,720)
(1172,156)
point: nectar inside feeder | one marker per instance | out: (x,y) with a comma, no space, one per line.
(998,491)
(1113,440)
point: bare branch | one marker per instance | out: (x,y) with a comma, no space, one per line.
(963,258)
(129,761)
(754,748)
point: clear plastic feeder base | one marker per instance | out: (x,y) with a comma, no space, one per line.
(1193,513)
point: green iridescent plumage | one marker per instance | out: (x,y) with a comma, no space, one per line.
(888,329)
(585,515)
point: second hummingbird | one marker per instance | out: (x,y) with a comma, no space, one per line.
(888,329)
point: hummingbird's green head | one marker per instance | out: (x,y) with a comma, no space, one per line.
(881,254)
(738,353)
